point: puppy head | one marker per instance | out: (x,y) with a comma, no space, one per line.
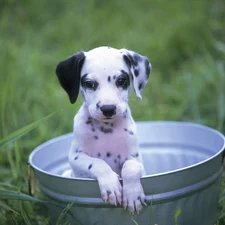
(104,76)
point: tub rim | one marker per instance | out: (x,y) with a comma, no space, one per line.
(187,124)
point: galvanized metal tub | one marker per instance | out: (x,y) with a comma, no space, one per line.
(183,162)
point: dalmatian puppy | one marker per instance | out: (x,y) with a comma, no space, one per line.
(105,145)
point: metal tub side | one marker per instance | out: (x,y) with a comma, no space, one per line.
(183,163)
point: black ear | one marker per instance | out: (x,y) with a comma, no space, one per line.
(68,72)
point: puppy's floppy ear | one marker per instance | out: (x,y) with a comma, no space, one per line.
(140,70)
(68,72)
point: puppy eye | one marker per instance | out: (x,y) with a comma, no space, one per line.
(90,84)
(121,82)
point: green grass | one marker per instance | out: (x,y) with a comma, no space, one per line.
(184,41)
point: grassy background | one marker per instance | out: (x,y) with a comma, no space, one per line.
(184,41)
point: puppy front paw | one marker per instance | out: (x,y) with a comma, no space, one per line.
(133,196)
(110,188)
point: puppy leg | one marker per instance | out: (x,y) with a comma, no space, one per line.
(133,194)
(110,187)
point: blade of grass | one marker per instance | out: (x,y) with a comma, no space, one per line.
(132,218)
(17,158)
(7,207)
(220,46)
(22,131)
(64,213)
(24,215)
(46,221)
(12,164)
(150,208)
(5,172)
(14,195)
(7,194)
(8,185)
(221,95)
(176,215)
(67,210)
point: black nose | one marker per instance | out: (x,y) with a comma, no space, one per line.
(108,110)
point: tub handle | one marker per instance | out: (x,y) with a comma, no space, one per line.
(31,179)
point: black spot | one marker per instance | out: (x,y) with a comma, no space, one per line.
(78,151)
(106,123)
(125,114)
(139,198)
(108,154)
(119,156)
(114,77)
(147,68)
(89,120)
(109,192)
(140,86)
(106,130)
(96,137)
(90,166)
(137,58)
(115,161)
(130,60)
(111,124)
(131,132)
(99,154)
(136,72)
(76,158)
(135,154)
(98,105)
(93,129)
(109,78)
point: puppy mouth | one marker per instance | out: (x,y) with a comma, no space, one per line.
(107,118)
(103,118)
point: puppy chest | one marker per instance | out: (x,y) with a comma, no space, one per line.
(108,145)
(109,136)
